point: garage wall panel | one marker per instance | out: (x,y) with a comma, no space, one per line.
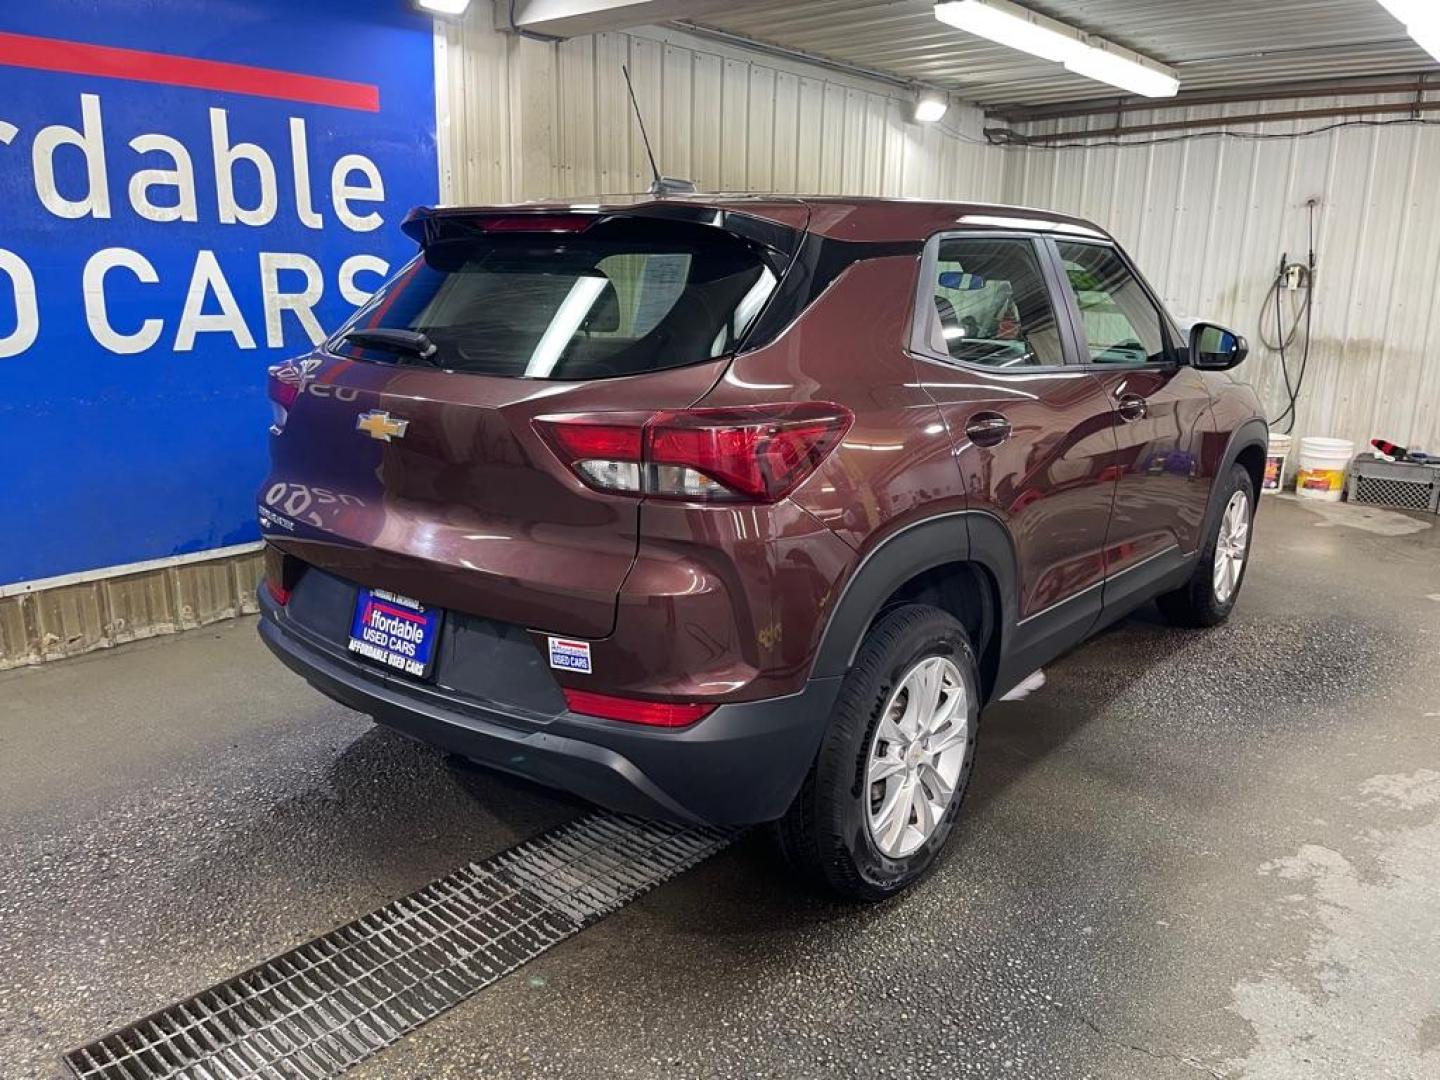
(1208,220)
(730,120)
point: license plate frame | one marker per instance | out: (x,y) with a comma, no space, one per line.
(395,633)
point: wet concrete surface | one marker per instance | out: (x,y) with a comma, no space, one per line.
(1211,853)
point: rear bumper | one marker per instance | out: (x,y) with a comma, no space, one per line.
(741,765)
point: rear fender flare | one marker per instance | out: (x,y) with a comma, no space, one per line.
(1253,432)
(961,536)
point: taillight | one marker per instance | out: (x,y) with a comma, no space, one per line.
(283,384)
(755,453)
(654,713)
(605,455)
(281,572)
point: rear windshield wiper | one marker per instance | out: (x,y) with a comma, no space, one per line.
(405,342)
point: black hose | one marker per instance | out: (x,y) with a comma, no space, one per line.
(1306,311)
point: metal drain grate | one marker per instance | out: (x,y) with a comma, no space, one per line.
(329,1004)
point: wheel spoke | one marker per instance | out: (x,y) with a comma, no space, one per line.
(888,731)
(952,706)
(894,816)
(925,816)
(924,696)
(882,768)
(938,786)
(956,734)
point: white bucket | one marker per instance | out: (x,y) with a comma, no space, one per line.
(1275,456)
(1322,468)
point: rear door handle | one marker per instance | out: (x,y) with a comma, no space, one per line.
(1132,407)
(988,429)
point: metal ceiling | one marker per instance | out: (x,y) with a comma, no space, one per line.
(1215,44)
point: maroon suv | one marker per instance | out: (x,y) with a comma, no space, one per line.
(738,509)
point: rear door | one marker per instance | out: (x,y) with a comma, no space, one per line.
(1161,405)
(427,477)
(1033,430)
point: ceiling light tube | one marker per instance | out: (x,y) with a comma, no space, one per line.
(1421,19)
(1108,65)
(1010,24)
(1095,58)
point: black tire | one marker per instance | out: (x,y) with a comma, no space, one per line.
(826,833)
(1195,603)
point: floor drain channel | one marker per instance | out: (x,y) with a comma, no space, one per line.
(327,1005)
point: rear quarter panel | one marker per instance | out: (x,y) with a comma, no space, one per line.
(740,597)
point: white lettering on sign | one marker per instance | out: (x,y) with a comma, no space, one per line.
(161,185)
(181,177)
(300,160)
(342,192)
(27,307)
(263,212)
(96,316)
(302,303)
(90,142)
(208,279)
(360,264)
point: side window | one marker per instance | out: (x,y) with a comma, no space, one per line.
(1121,325)
(990,305)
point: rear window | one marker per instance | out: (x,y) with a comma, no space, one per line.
(625,296)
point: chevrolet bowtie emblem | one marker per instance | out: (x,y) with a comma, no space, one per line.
(379,424)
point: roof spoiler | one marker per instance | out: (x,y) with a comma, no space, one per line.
(427,225)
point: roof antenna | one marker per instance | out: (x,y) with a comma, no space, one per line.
(660,185)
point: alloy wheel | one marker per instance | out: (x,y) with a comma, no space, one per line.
(916,756)
(1231,546)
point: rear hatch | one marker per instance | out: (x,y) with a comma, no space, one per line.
(405,454)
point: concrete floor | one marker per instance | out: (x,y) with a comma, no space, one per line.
(1192,853)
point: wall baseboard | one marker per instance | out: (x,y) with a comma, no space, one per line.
(74,618)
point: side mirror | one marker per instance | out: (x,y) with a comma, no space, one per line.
(1214,348)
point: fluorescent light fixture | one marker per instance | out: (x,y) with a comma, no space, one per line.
(1421,19)
(1107,66)
(1019,28)
(443,7)
(1010,24)
(930,106)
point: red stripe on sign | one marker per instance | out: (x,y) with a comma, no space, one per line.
(75,58)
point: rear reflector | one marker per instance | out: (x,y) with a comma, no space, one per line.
(756,453)
(653,713)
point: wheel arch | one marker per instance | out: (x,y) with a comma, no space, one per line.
(1247,447)
(963,563)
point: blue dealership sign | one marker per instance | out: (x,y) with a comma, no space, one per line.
(188,194)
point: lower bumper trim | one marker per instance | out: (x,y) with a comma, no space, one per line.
(741,765)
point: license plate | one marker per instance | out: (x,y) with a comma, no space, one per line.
(395,631)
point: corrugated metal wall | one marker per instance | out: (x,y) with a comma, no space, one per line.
(1208,220)
(529,119)
(70,619)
